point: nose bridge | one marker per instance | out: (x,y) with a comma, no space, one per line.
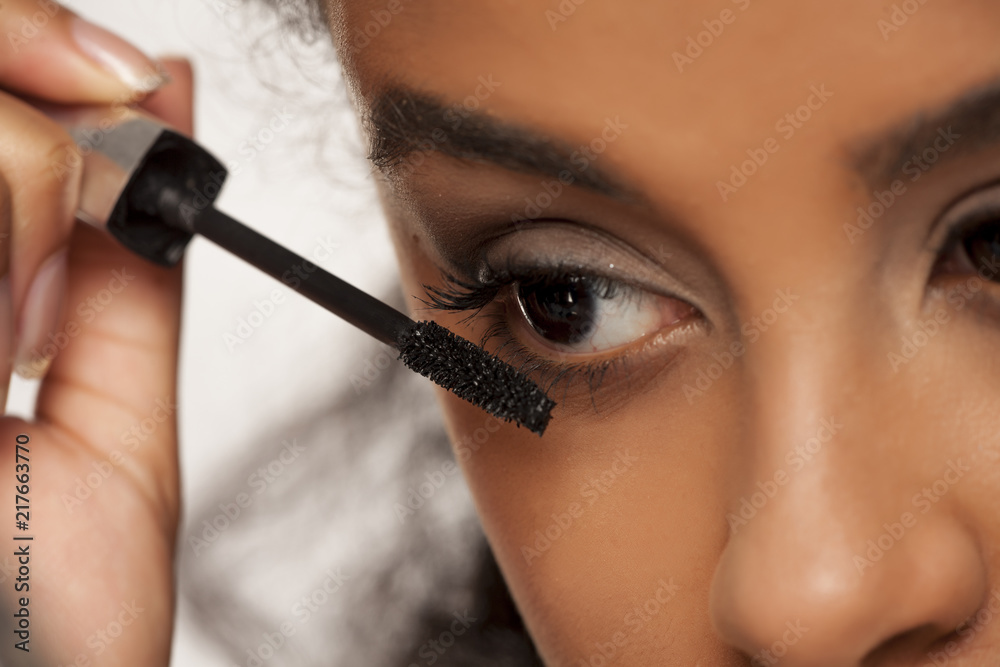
(805,372)
(822,475)
(826,421)
(808,480)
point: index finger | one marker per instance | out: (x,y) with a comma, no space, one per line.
(51,53)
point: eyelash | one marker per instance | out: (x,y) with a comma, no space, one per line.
(474,297)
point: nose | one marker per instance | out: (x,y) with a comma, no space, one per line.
(831,560)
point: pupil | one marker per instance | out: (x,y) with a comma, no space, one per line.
(983,247)
(560,312)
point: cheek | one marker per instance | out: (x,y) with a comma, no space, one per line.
(607,529)
(948,362)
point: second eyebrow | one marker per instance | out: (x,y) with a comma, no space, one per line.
(965,125)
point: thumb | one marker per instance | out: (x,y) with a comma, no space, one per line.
(119,343)
(53,54)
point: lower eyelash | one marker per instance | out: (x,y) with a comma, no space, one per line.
(459,295)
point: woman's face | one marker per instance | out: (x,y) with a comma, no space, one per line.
(744,240)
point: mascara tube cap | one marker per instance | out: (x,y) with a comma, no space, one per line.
(131,161)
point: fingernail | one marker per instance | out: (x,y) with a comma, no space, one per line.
(130,65)
(6,339)
(40,316)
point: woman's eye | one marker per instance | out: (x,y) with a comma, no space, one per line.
(975,250)
(588,314)
(982,245)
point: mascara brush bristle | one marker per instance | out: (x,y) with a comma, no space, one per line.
(474,375)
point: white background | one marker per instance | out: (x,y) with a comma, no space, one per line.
(308,189)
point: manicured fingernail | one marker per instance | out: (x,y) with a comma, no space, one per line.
(6,338)
(132,67)
(40,316)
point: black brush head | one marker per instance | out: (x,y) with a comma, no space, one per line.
(474,375)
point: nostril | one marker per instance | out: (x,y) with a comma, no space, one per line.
(915,644)
(905,610)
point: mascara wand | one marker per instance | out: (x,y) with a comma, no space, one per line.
(153,189)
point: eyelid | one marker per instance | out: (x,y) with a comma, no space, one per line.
(562,248)
(963,214)
(565,245)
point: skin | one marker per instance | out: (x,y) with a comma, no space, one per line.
(787,579)
(115,547)
(669,472)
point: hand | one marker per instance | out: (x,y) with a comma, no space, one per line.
(101,326)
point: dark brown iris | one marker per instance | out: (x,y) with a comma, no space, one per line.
(983,248)
(562,312)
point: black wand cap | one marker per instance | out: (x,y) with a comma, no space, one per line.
(474,375)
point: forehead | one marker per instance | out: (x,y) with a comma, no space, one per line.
(672,64)
(698,84)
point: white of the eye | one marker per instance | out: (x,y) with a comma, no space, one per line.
(620,320)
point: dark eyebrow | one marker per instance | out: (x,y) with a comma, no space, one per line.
(960,127)
(402,121)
